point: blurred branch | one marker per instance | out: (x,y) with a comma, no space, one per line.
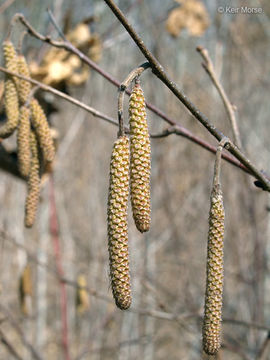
(209,68)
(6,5)
(162,315)
(14,323)
(9,346)
(158,70)
(265,349)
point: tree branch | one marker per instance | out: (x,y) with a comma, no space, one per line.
(209,68)
(161,74)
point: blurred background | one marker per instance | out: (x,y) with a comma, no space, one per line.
(168,263)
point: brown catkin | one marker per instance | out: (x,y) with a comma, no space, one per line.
(25,289)
(23,141)
(33,184)
(24,87)
(214,275)
(11,95)
(140,160)
(117,223)
(82,296)
(42,129)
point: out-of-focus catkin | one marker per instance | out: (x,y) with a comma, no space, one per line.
(82,297)
(42,129)
(33,184)
(24,87)
(25,290)
(23,141)
(140,160)
(117,223)
(214,275)
(11,95)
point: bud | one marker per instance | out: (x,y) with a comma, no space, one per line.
(33,184)
(214,275)
(23,141)
(42,129)
(140,160)
(117,223)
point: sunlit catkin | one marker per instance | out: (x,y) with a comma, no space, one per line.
(33,184)
(24,87)
(11,95)
(23,141)
(42,129)
(117,223)
(214,275)
(140,160)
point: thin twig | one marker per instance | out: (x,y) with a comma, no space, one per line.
(70,99)
(131,76)
(161,74)
(19,330)
(209,68)
(4,340)
(6,4)
(222,143)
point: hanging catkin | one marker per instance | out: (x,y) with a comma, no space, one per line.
(23,141)
(42,129)
(214,274)
(82,296)
(33,184)
(140,160)
(11,95)
(117,223)
(24,87)
(25,290)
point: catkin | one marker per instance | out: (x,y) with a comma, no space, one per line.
(82,297)
(117,223)
(25,289)
(42,129)
(11,95)
(23,141)
(214,275)
(140,160)
(33,184)
(24,87)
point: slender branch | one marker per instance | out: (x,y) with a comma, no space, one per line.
(70,99)
(176,129)
(217,167)
(209,68)
(131,76)
(161,74)
(4,340)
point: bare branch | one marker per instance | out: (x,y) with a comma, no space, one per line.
(209,68)
(161,74)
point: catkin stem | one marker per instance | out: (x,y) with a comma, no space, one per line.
(131,76)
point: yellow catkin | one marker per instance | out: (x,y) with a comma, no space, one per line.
(117,223)
(24,87)
(11,95)
(214,276)
(25,289)
(82,297)
(42,129)
(33,184)
(23,141)
(140,160)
